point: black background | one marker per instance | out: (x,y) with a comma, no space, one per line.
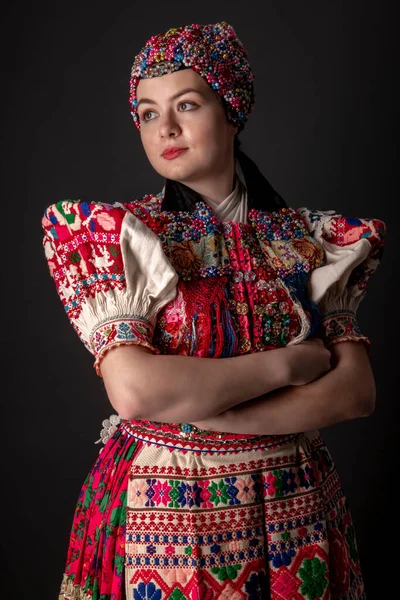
(323,131)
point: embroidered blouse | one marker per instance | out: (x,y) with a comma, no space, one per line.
(213,282)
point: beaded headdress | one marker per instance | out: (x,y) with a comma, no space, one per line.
(213,51)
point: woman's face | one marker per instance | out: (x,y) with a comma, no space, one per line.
(180,110)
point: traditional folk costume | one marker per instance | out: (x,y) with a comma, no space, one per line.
(170,511)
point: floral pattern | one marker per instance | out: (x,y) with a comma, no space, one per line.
(96,554)
(341,326)
(172,512)
(312,573)
(339,322)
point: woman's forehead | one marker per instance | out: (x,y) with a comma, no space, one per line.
(171,83)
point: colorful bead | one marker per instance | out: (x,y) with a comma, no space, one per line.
(213,51)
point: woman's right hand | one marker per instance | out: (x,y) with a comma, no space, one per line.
(308,361)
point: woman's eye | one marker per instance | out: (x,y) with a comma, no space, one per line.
(145,116)
(185,105)
(148,115)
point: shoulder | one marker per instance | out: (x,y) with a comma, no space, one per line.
(342,230)
(68,218)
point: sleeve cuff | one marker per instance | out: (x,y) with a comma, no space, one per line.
(119,331)
(342,326)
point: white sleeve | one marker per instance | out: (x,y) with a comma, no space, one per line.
(111,273)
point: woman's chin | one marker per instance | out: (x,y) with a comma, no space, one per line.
(182,173)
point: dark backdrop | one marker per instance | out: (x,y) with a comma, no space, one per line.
(323,131)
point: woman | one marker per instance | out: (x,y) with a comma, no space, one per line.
(207,486)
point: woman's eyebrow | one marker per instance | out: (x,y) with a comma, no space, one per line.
(185,91)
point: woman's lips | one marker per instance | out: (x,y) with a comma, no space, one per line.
(173,153)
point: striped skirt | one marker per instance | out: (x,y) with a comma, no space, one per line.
(169,514)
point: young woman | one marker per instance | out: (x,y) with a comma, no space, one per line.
(208,486)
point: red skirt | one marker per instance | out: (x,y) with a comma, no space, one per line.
(168,514)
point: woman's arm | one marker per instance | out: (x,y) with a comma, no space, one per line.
(346,392)
(141,385)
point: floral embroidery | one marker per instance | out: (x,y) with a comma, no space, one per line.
(247,315)
(137,493)
(246,489)
(313,575)
(147,591)
(99,524)
(193,495)
(307,477)
(186,261)
(284,237)
(161,492)
(269,485)
(308,250)
(341,326)
(156,526)
(229,572)
(121,330)
(328,226)
(218,492)
(174,538)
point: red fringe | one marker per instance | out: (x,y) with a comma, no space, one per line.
(200,296)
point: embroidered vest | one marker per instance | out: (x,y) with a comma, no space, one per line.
(242,287)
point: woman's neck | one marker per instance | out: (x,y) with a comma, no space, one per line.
(216,188)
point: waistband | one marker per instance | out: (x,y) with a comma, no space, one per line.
(188,437)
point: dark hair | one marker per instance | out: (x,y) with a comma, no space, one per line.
(236,145)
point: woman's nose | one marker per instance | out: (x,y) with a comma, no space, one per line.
(169,126)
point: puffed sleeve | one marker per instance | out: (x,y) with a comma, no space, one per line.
(352,252)
(110,272)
